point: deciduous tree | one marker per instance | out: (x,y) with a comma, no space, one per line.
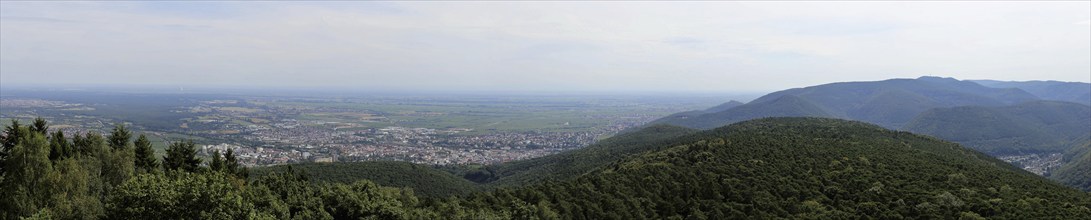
(24,185)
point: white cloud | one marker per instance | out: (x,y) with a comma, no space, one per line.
(541,45)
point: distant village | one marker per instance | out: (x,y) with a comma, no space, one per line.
(294,144)
(264,135)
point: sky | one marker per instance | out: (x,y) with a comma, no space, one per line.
(539,46)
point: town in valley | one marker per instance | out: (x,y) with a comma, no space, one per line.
(425,129)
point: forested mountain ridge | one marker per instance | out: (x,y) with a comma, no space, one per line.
(1076,171)
(725,106)
(1031,127)
(569,164)
(781,106)
(889,103)
(687,114)
(998,119)
(1077,92)
(805,168)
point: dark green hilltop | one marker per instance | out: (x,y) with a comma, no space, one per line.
(573,163)
(812,168)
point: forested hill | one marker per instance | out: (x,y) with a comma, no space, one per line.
(1076,171)
(1031,127)
(782,106)
(724,106)
(573,163)
(805,168)
(889,103)
(719,108)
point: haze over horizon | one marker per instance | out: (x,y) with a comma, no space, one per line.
(540,46)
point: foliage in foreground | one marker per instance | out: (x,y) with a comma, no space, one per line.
(425,180)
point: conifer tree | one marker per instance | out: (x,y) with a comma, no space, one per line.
(11,136)
(58,146)
(181,155)
(231,162)
(145,155)
(90,144)
(12,133)
(79,143)
(119,138)
(40,126)
(216,164)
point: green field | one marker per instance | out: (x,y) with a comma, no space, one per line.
(562,114)
(203,119)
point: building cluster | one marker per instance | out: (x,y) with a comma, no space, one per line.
(291,142)
(261,135)
(1040,164)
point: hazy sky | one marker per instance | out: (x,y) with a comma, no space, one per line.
(572,46)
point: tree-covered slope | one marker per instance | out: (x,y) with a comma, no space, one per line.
(573,163)
(1031,127)
(782,106)
(725,106)
(1076,171)
(687,114)
(803,168)
(423,179)
(889,103)
(1077,92)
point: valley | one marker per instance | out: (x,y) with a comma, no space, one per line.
(428,129)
